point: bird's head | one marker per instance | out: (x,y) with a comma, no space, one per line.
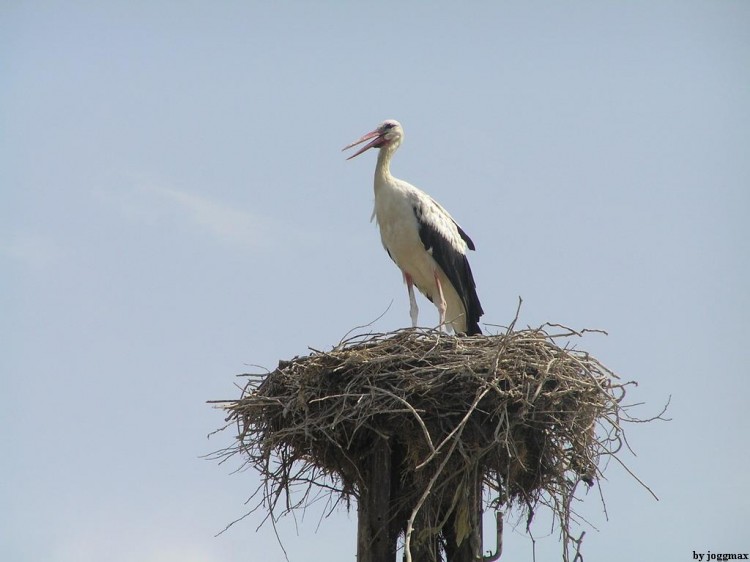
(388,133)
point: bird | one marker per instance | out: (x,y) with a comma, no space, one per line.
(421,237)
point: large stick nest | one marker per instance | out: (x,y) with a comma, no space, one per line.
(526,412)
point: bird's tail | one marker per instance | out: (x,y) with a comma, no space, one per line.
(473,329)
(473,306)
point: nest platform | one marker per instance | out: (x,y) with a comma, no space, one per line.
(470,423)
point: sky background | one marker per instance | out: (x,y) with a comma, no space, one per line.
(175,208)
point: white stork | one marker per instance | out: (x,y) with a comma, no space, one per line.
(423,239)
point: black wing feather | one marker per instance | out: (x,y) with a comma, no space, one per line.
(456,267)
(465,236)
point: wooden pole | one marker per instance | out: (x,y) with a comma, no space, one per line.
(375,540)
(470,549)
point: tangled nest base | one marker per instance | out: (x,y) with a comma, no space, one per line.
(522,413)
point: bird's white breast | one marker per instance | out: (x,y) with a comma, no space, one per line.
(399,229)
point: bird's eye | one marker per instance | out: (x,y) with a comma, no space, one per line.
(388,126)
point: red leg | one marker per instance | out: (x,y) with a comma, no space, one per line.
(440,301)
(413,310)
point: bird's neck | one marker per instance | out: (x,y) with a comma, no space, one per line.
(383,167)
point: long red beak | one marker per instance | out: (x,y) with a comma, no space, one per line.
(371,135)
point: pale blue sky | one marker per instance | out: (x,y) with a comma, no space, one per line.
(175,207)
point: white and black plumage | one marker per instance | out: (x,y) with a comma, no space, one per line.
(423,239)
